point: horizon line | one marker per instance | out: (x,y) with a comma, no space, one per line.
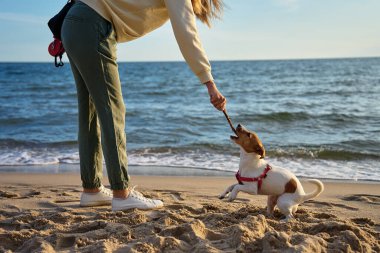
(233,60)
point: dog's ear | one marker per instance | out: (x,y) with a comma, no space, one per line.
(260,150)
(256,145)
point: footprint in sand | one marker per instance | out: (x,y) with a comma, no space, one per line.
(175,195)
(322,203)
(194,209)
(324,216)
(363,221)
(32,194)
(366,198)
(65,194)
(65,241)
(58,201)
(9,195)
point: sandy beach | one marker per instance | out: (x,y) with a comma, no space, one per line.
(41,213)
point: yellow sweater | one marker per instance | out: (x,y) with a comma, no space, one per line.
(135,18)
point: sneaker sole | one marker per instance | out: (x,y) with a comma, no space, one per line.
(96,203)
(134,207)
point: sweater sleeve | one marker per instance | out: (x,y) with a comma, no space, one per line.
(182,18)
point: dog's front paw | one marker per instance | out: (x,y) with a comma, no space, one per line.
(223,195)
(288,218)
(230,199)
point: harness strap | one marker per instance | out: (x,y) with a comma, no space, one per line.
(258,179)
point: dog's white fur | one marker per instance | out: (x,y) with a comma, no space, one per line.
(282,187)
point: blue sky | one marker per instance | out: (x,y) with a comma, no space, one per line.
(250,29)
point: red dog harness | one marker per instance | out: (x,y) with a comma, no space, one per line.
(258,179)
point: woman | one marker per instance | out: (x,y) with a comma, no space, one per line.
(90,32)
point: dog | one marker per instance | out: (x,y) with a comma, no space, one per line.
(256,176)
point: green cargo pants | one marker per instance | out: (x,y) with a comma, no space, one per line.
(90,43)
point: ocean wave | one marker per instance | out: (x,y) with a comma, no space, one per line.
(301,116)
(38,157)
(199,159)
(17,144)
(15,121)
(324,153)
(15,72)
(344,151)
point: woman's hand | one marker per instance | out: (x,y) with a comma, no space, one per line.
(216,98)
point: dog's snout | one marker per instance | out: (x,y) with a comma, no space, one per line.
(238,127)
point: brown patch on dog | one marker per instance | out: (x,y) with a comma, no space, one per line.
(291,186)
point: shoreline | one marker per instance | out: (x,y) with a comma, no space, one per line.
(150,170)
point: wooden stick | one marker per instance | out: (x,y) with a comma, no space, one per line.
(229,121)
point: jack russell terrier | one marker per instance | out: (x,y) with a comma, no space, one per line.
(256,176)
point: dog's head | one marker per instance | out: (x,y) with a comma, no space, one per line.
(249,141)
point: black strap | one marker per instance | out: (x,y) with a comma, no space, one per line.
(60,63)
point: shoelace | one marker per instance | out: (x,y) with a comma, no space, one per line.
(106,191)
(132,192)
(136,194)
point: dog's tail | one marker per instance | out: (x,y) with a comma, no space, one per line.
(316,192)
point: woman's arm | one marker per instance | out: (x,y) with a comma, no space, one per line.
(182,18)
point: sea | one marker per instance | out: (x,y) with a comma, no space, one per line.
(318,118)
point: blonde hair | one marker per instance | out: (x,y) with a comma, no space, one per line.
(205,10)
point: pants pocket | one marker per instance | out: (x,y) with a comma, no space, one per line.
(74,18)
(107,40)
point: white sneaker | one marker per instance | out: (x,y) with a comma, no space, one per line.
(104,197)
(135,200)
